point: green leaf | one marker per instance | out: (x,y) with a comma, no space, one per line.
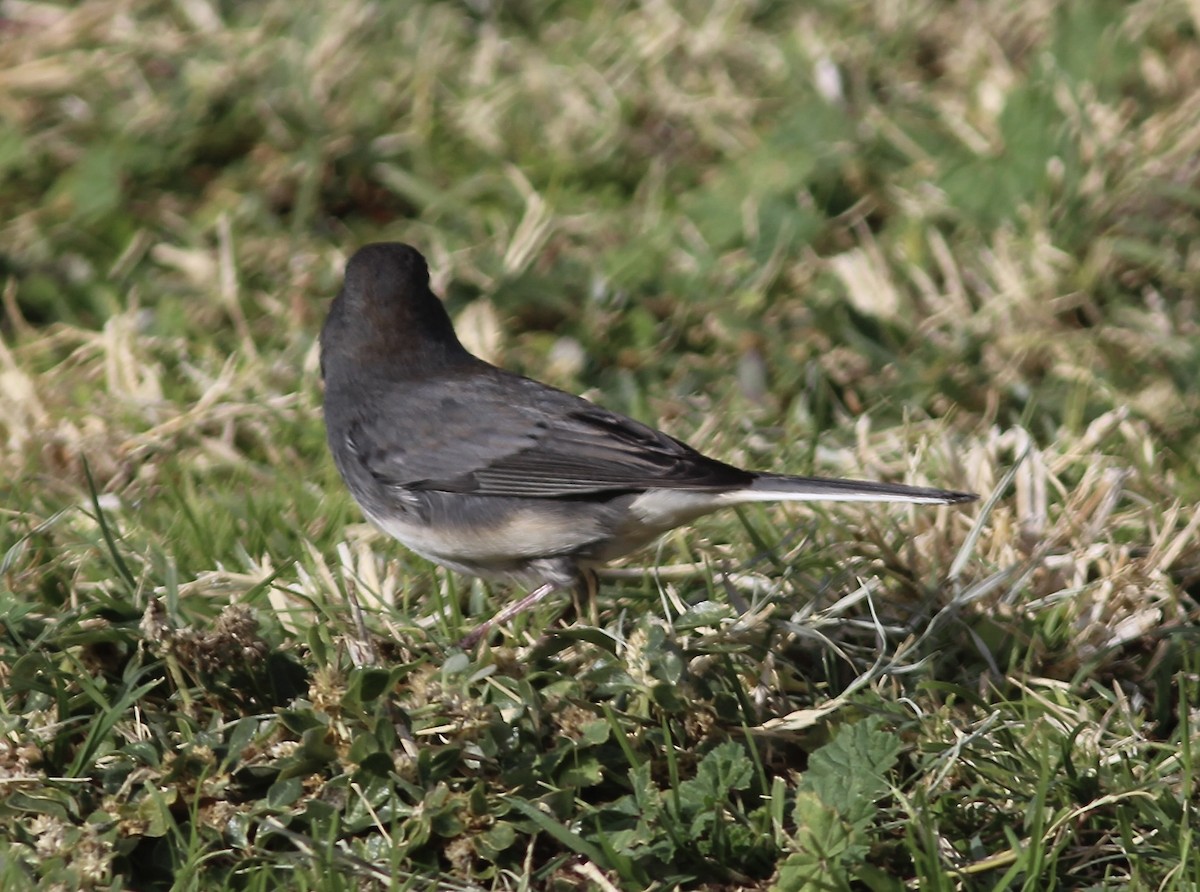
(372,683)
(703,615)
(835,803)
(284,792)
(493,841)
(822,840)
(92,187)
(55,803)
(594,733)
(666,696)
(586,772)
(299,720)
(315,744)
(14,151)
(365,744)
(723,769)
(242,733)
(155,809)
(563,835)
(435,764)
(849,773)
(109,715)
(645,794)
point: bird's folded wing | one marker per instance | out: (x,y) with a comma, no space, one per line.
(592,451)
(526,440)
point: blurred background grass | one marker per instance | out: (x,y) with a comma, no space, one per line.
(913,240)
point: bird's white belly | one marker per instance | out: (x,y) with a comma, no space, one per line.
(523,534)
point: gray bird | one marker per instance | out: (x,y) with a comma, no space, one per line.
(499,476)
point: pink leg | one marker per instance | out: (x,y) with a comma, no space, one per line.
(507,613)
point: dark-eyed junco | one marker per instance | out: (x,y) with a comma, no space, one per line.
(496,475)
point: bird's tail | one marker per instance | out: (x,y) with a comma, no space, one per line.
(783,488)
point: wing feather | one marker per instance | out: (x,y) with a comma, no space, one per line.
(536,442)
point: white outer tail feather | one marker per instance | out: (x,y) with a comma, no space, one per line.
(744,496)
(666,508)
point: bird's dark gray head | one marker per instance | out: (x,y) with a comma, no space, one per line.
(385,320)
(384,270)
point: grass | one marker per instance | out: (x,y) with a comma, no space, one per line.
(952,244)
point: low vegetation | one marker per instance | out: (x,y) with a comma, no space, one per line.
(945,244)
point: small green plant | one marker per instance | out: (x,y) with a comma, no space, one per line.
(836,810)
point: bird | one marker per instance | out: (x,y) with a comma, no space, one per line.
(499,476)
